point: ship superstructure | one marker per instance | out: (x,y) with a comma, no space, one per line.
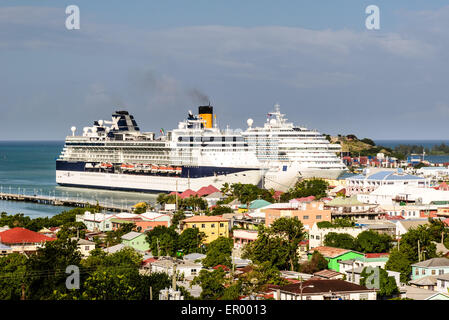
(293,151)
(116,155)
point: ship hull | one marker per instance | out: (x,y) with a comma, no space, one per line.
(149,183)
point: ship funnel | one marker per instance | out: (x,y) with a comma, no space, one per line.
(206,113)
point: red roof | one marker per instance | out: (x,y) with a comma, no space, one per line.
(174,192)
(187,193)
(22,235)
(221,266)
(443,186)
(204,191)
(446,221)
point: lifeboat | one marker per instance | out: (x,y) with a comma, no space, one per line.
(178,170)
(106,165)
(154,168)
(171,170)
(163,169)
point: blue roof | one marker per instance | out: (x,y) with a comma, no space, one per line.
(387,175)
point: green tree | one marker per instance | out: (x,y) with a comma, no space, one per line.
(163,241)
(304,188)
(190,240)
(13,268)
(399,261)
(373,242)
(212,284)
(316,263)
(291,230)
(219,253)
(340,240)
(48,266)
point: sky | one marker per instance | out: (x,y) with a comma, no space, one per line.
(160,59)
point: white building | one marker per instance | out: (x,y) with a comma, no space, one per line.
(324,290)
(185,268)
(373,179)
(394,194)
(317,235)
(433,172)
(85,246)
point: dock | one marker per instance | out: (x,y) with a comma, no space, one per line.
(55,201)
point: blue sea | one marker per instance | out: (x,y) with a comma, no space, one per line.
(28,167)
(425,143)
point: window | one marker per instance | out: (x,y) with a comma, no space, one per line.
(86,248)
(317,237)
(221,225)
(203,226)
(441,271)
(433,272)
(305,217)
(318,217)
(193,225)
(423,271)
(417,272)
(212,225)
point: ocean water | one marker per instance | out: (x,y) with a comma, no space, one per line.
(425,143)
(28,167)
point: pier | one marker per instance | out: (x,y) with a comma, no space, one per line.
(61,201)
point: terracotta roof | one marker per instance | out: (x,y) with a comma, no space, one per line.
(330,252)
(205,219)
(327,274)
(187,193)
(204,191)
(324,286)
(22,235)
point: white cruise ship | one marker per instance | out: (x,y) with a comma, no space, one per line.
(116,155)
(293,152)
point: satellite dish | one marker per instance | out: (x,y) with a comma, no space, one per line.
(100,122)
(273,122)
(250,122)
(73,129)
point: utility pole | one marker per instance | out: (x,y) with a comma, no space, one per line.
(151,293)
(174,276)
(23,292)
(419,253)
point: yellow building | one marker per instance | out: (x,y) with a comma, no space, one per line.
(212,226)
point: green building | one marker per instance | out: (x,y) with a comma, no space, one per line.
(136,240)
(334,255)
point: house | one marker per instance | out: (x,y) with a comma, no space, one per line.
(367,260)
(96,221)
(253,205)
(23,240)
(114,249)
(243,237)
(427,282)
(403,226)
(84,246)
(212,226)
(308,213)
(324,290)
(184,268)
(136,240)
(372,179)
(335,255)
(317,234)
(442,283)
(213,198)
(5,250)
(416,293)
(430,267)
(194,257)
(156,217)
(342,207)
(328,274)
